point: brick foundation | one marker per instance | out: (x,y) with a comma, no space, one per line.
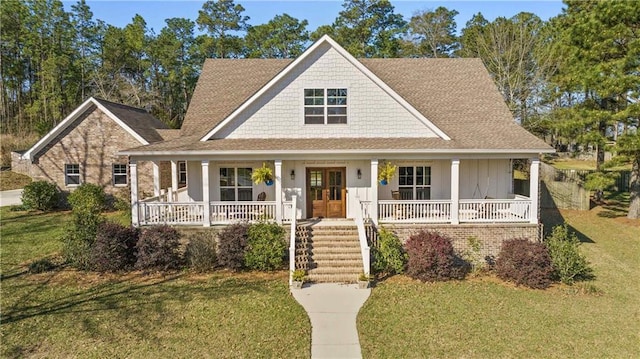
(489,236)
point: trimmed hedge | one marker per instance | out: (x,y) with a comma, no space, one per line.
(114,248)
(200,253)
(157,248)
(265,246)
(40,195)
(389,256)
(525,263)
(232,245)
(432,258)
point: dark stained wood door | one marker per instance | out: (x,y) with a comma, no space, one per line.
(326,192)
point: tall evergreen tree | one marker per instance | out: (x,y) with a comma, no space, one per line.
(366,28)
(222,19)
(598,81)
(282,37)
(432,33)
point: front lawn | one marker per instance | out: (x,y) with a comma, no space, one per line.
(65,313)
(482,318)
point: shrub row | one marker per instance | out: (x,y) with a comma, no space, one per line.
(259,246)
(431,257)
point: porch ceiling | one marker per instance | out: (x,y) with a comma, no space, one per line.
(191,146)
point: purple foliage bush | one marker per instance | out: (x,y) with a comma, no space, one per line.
(157,248)
(525,263)
(114,248)
(432,258)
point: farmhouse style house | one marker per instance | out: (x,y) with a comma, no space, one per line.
(84,148)
(326,123)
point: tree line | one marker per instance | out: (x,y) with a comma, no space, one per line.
(572,80)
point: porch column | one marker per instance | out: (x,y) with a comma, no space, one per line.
(174,179)
(534,189)
(278,166)
(455,190)
(156,179)
(374,191)
(133,173)
(206,196)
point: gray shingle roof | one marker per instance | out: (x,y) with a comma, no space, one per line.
(137,119)
(457,95)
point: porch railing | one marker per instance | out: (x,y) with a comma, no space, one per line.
(470,211)
(414,211)
(187,213)
(494,210)
(225,212)
(288,214)
(292,214)
(365,250)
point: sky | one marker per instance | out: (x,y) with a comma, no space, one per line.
(120,13)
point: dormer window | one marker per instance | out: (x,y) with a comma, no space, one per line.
(325,106)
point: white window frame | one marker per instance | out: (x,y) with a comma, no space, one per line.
(325,106)
(119,174)
(182,171)
(75,173)
(235,185)
(414,187)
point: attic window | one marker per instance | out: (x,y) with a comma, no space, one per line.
(325,106)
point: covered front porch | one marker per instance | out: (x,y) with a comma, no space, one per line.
(435,190)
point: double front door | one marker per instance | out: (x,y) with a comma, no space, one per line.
(326,192)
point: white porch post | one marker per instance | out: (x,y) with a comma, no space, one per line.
(174,179)
(206,196)
(455,190)
(278,179)
(534,189)
(133,173)
(374,191)
(156,179)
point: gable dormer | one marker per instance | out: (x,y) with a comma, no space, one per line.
(325,93)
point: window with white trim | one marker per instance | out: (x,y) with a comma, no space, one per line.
(72,174)
(119,171)
(325,106)
(236,184)
(182,173)
(414,182)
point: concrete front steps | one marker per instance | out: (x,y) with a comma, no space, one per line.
(330,252)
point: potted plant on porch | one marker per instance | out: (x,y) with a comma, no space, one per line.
(298,277)
(386,172)
(262,174)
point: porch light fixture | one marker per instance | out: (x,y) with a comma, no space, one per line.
(293,174)
(359,174)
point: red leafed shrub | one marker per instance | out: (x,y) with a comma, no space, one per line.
(158,248)
(432,258)
(114,248)
(525,263)
(232,245)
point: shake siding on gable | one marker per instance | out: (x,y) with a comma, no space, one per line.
(371,112)
(92,141)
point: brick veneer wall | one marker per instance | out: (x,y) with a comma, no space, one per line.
(92,141)
(489,236)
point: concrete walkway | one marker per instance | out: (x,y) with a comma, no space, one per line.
(332,309)
(10,198)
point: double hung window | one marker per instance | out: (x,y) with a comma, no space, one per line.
(414,182)
(119,174)
(235,184)
(325,106)
(72,174)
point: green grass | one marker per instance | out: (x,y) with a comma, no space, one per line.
(65,313)
(11,180)
(481,318)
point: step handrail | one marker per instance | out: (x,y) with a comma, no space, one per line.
(364,246)
(292,239)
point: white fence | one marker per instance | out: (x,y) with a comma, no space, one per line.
(469,211)
(225,212)
(189,213)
